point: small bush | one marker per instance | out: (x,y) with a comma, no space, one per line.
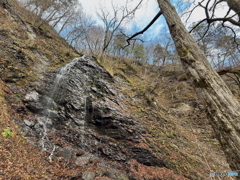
(7,132)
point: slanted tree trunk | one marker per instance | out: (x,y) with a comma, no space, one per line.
(222,107)
(235,6)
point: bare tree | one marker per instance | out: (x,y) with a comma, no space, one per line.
(230,19)
(94,38)
(222,107)
(119,41)
(112,22)
(161,54)
(218,46)
(55,12)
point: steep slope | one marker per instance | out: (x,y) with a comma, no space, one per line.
(79,115)
(71,118)
(163,99)
(26,53)
(29,55)
(28,50)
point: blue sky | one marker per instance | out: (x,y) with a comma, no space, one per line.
(143,15)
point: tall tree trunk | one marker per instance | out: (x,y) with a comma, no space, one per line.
(222,107)
(235,6)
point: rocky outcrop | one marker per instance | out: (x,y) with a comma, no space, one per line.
(79,115)
(86,127)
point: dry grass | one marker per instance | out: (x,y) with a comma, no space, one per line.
(151,93)
(28,50)
(154,96)
(18,159)
(145,172)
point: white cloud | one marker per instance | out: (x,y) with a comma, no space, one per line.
(199,13)
(143,15)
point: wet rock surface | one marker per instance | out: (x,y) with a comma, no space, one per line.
(77,109)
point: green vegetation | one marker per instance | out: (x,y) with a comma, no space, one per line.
(7,132)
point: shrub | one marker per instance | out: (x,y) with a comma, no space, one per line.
(7,132)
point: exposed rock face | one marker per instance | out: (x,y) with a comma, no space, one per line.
(78,106)
(80,119)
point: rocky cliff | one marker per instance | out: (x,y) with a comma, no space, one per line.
(71,116)
(80,115)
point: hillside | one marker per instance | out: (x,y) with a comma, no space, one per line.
(64,117)
(164,99)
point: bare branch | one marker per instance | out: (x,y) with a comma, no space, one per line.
(211,18)
(234,33)
(227,13)
(112,24)
(204,33)
(190,12)
(145,29)
(200,22)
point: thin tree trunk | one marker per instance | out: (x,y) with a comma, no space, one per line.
(222,107)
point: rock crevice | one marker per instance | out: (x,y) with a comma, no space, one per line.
(79,104)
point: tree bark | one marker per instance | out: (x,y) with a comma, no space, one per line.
(222,107)
(235,6)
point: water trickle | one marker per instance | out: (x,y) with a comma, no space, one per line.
(85,115)
(60,75)
(50,104)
